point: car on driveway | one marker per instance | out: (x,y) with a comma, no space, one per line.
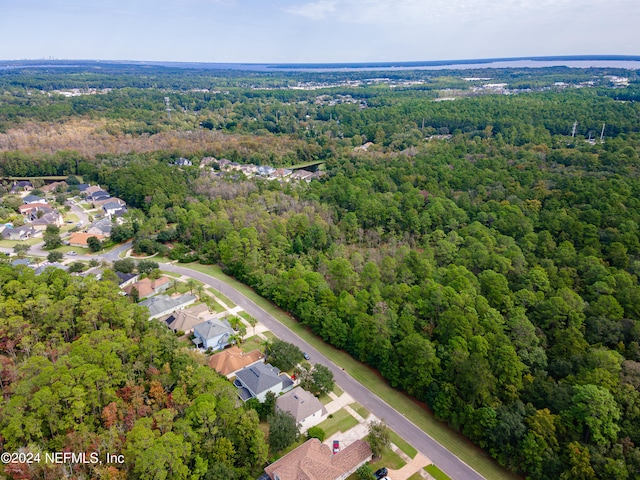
(336,446)
(381,473)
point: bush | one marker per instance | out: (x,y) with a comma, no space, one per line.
(316,432)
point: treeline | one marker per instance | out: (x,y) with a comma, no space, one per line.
(84,370)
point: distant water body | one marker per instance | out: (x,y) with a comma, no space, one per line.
(588,61)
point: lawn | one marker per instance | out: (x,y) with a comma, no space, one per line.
(403,445)
(222,297)
(340,422)
(251,344)
(360,410)
(389,459)
(436,473)
(452,441)
(217,307)
(12,243)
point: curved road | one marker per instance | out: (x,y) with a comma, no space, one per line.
(445,460)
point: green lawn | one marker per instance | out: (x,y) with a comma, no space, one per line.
(340,422)
(452,441)
(360,410)
(436,473)
(403,445)
(389,459)
(217,307)
(222,297)
(251,344)
(12,243)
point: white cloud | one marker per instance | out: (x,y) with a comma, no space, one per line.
(318,10)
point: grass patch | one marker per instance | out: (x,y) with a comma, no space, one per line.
(251,344)
(340,422)
(436,473)
(452,441)
(13,243)
(403,445)
(360,410)
(170,274)
(389,459)
(270,336)
(224,299)
(216,306)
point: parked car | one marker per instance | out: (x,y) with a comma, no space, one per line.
(381,473)
(306,356)
(336,446)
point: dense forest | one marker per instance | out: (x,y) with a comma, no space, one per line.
(83,370)
(476,254)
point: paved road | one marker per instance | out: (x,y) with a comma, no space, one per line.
(445,460)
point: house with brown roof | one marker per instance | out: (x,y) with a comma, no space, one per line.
(79,239)
(315,461)
(231,360)
(303,406)
(52,186)
(184,320)
(147,286)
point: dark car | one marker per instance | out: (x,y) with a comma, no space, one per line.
(336,446)
(381,473)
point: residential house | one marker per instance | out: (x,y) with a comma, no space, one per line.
(231,360)
(302,175)
(125,279)
(101,227)
(212,334)
(303,406)
(114,206)
(265,170)
(20,261)
(83,187)
(259,379)
(43,266)
(185,320)
(19,233)
(79,239)
(97,196)
(315,461)
(147,287)
(90,189)
(50,218)
(52,186)
(182,162)
(162,304)
(29,199)
(32,210)
(21,186)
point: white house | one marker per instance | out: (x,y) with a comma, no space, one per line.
(303,406)
(212,334)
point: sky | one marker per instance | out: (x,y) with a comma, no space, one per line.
(315,31)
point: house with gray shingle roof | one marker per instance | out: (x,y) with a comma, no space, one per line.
(163,304)
(257,380)
(212,334)
(303,406)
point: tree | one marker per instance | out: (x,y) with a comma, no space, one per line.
(283,355)
(379,437)
(21,249)
(283,430)
(94,244)
(146,266)
(322,379)
(365,472)
(53,257)
(596,412)
(316,432)
(52,237)
(126,265)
